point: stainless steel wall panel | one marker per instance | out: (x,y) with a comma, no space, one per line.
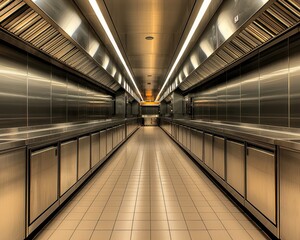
(233,110)
(250,91)
(59,96)
(219,156)
(235,166)
(84,156)
(274,85)
(221,98)
(95,149)
(294,73)
(82,103)
(72,100)
(43,179)
(39,92)
(68,165)
(261,181)
(109,140)
(13,89)
(12,192)
(289,194)
(208,150)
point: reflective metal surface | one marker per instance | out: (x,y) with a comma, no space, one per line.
(12,192)
(274,85)
(213,52)
(289,194)
(43,180)
(197,144)
(219,156)
(208,150)
(84,156)
(103,151)
(235,166)
(13,91)
(68,165)
(261,181)
(95,149)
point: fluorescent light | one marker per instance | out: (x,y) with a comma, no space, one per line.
(199,17)
(101,19)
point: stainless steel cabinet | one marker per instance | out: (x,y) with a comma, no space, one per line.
(115,136)
(289,194)
(109,139)
(180,133)
(219,156)
(43,180)
(188,138)
(12,194)
(261,181)
(68,165)
(84,156)
(197,144)
(235,170)
(102,145)
(95,148)
(208,150)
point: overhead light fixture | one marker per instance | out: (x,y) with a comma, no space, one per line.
(149,38)
(195,25)
(103,22)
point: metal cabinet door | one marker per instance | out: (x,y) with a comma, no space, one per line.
(102,145)
(68,165)
(261,181)
(84,156)
(43,180)
(289,194)
(115,136)
(219,156)
(208,150)
(188,139)
(95,149)
(235,169)
(12,193)
(109,139)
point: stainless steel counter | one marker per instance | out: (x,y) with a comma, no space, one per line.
(12,138)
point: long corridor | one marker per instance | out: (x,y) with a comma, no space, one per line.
(150,189)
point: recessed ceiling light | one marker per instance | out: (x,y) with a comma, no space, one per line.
(149,38)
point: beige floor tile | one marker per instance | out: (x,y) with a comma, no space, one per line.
(68,224)
(219,235)
(123,225)
(195,225)
(103,235)
(61,234)
(81,234)
(239,234)
(200,235)
(105,225)
(141,225)
(140,235)
(159,225)
(142,216)
(163,235)
(180,235)
(125,216)
(120,235)
(213,224)
(192,216)
(175,216)
(44,235)
(178,225)
(258,235)
(91,216)
(87,225)
(232,224)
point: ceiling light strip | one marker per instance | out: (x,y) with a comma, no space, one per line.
(195,25)
(103,22)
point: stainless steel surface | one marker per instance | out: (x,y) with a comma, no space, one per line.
(150,121)
(103,151)
(84,156)
(274,18)
(115,133)
(47,26)
(95,148)
(68,165)
(109,140)
(39,92)
(197,144)
(13,97)
(188,138)
(208,150)
(274,85)
(289,194)
(219,156)
(43,181)
(261,181)
(250,91)
(235,166)
(12,192)
(233,101)
(294,72)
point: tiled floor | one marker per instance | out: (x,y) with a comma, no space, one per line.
(150,189)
